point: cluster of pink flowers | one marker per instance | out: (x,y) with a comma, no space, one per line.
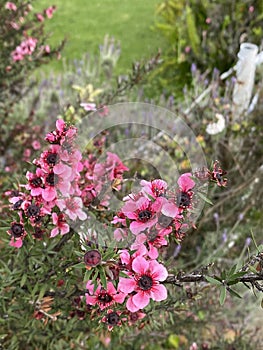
(121,286)
(52,190)
(26,48)
(47,12)
(10,6)
(155,213)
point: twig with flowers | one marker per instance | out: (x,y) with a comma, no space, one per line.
(120,283)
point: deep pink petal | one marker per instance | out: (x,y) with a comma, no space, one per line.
(159,292)
(126,285)
(140,265)
(185,182)
(110,288)
(90,300)
(64,229)
(49,194)
(141,299)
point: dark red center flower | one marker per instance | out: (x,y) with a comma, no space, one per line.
(104,297)
(17,230)
(183,199)
(52,158)
(33,210)
(52,179)
(113,318)
(144,215)
(36,182)
(145,282)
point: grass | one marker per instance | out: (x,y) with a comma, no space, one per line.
(85,23)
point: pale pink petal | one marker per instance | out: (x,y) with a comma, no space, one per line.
(153,252)
(140,265)
(119,298)
(137,227)
(130,305)
(49,194)
(36,191)
(54,232)
(81,214)
(170,209)
(64,229)
(126,285)
(141,299)
(159,292)
(60,124)
(158,271)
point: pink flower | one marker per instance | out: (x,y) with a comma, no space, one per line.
(49,11)
(60,222)
(143,213)
(72,207)
(54,182)
(113,319)
(103,298)
(40,17)
(36,145)
(182,199)
(133,317)
(88,106)
(10,6)
(144,281)
(35,182)
(155,188)
(17,232)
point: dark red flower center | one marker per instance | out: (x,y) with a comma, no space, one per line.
(105,298)
(183,199)
(36,182)
(52,158)
(145,282)
(17,230)
(33,210)
(113,318)
(144,215)
(52,179)
(134,316)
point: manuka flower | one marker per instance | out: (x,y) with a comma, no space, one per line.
(112,319)
(103,298)
(17,233)
(142,212)
(61,226)
(144,283)
(156,188)
(182,199)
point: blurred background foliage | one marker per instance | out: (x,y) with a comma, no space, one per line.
(199,40)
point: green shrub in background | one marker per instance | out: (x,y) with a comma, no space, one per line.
(207,33)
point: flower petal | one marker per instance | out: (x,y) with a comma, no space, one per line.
(130,305)
(140,265)
(158,271)
(170,209)
(126,285)
(159,293)
(141,299)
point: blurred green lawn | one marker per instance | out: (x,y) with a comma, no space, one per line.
(85,22)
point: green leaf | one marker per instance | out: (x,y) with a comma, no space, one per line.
(202,196)
(213,281)
(103,278)
(174,340)
(234,293)
(222,297)
(23,280)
